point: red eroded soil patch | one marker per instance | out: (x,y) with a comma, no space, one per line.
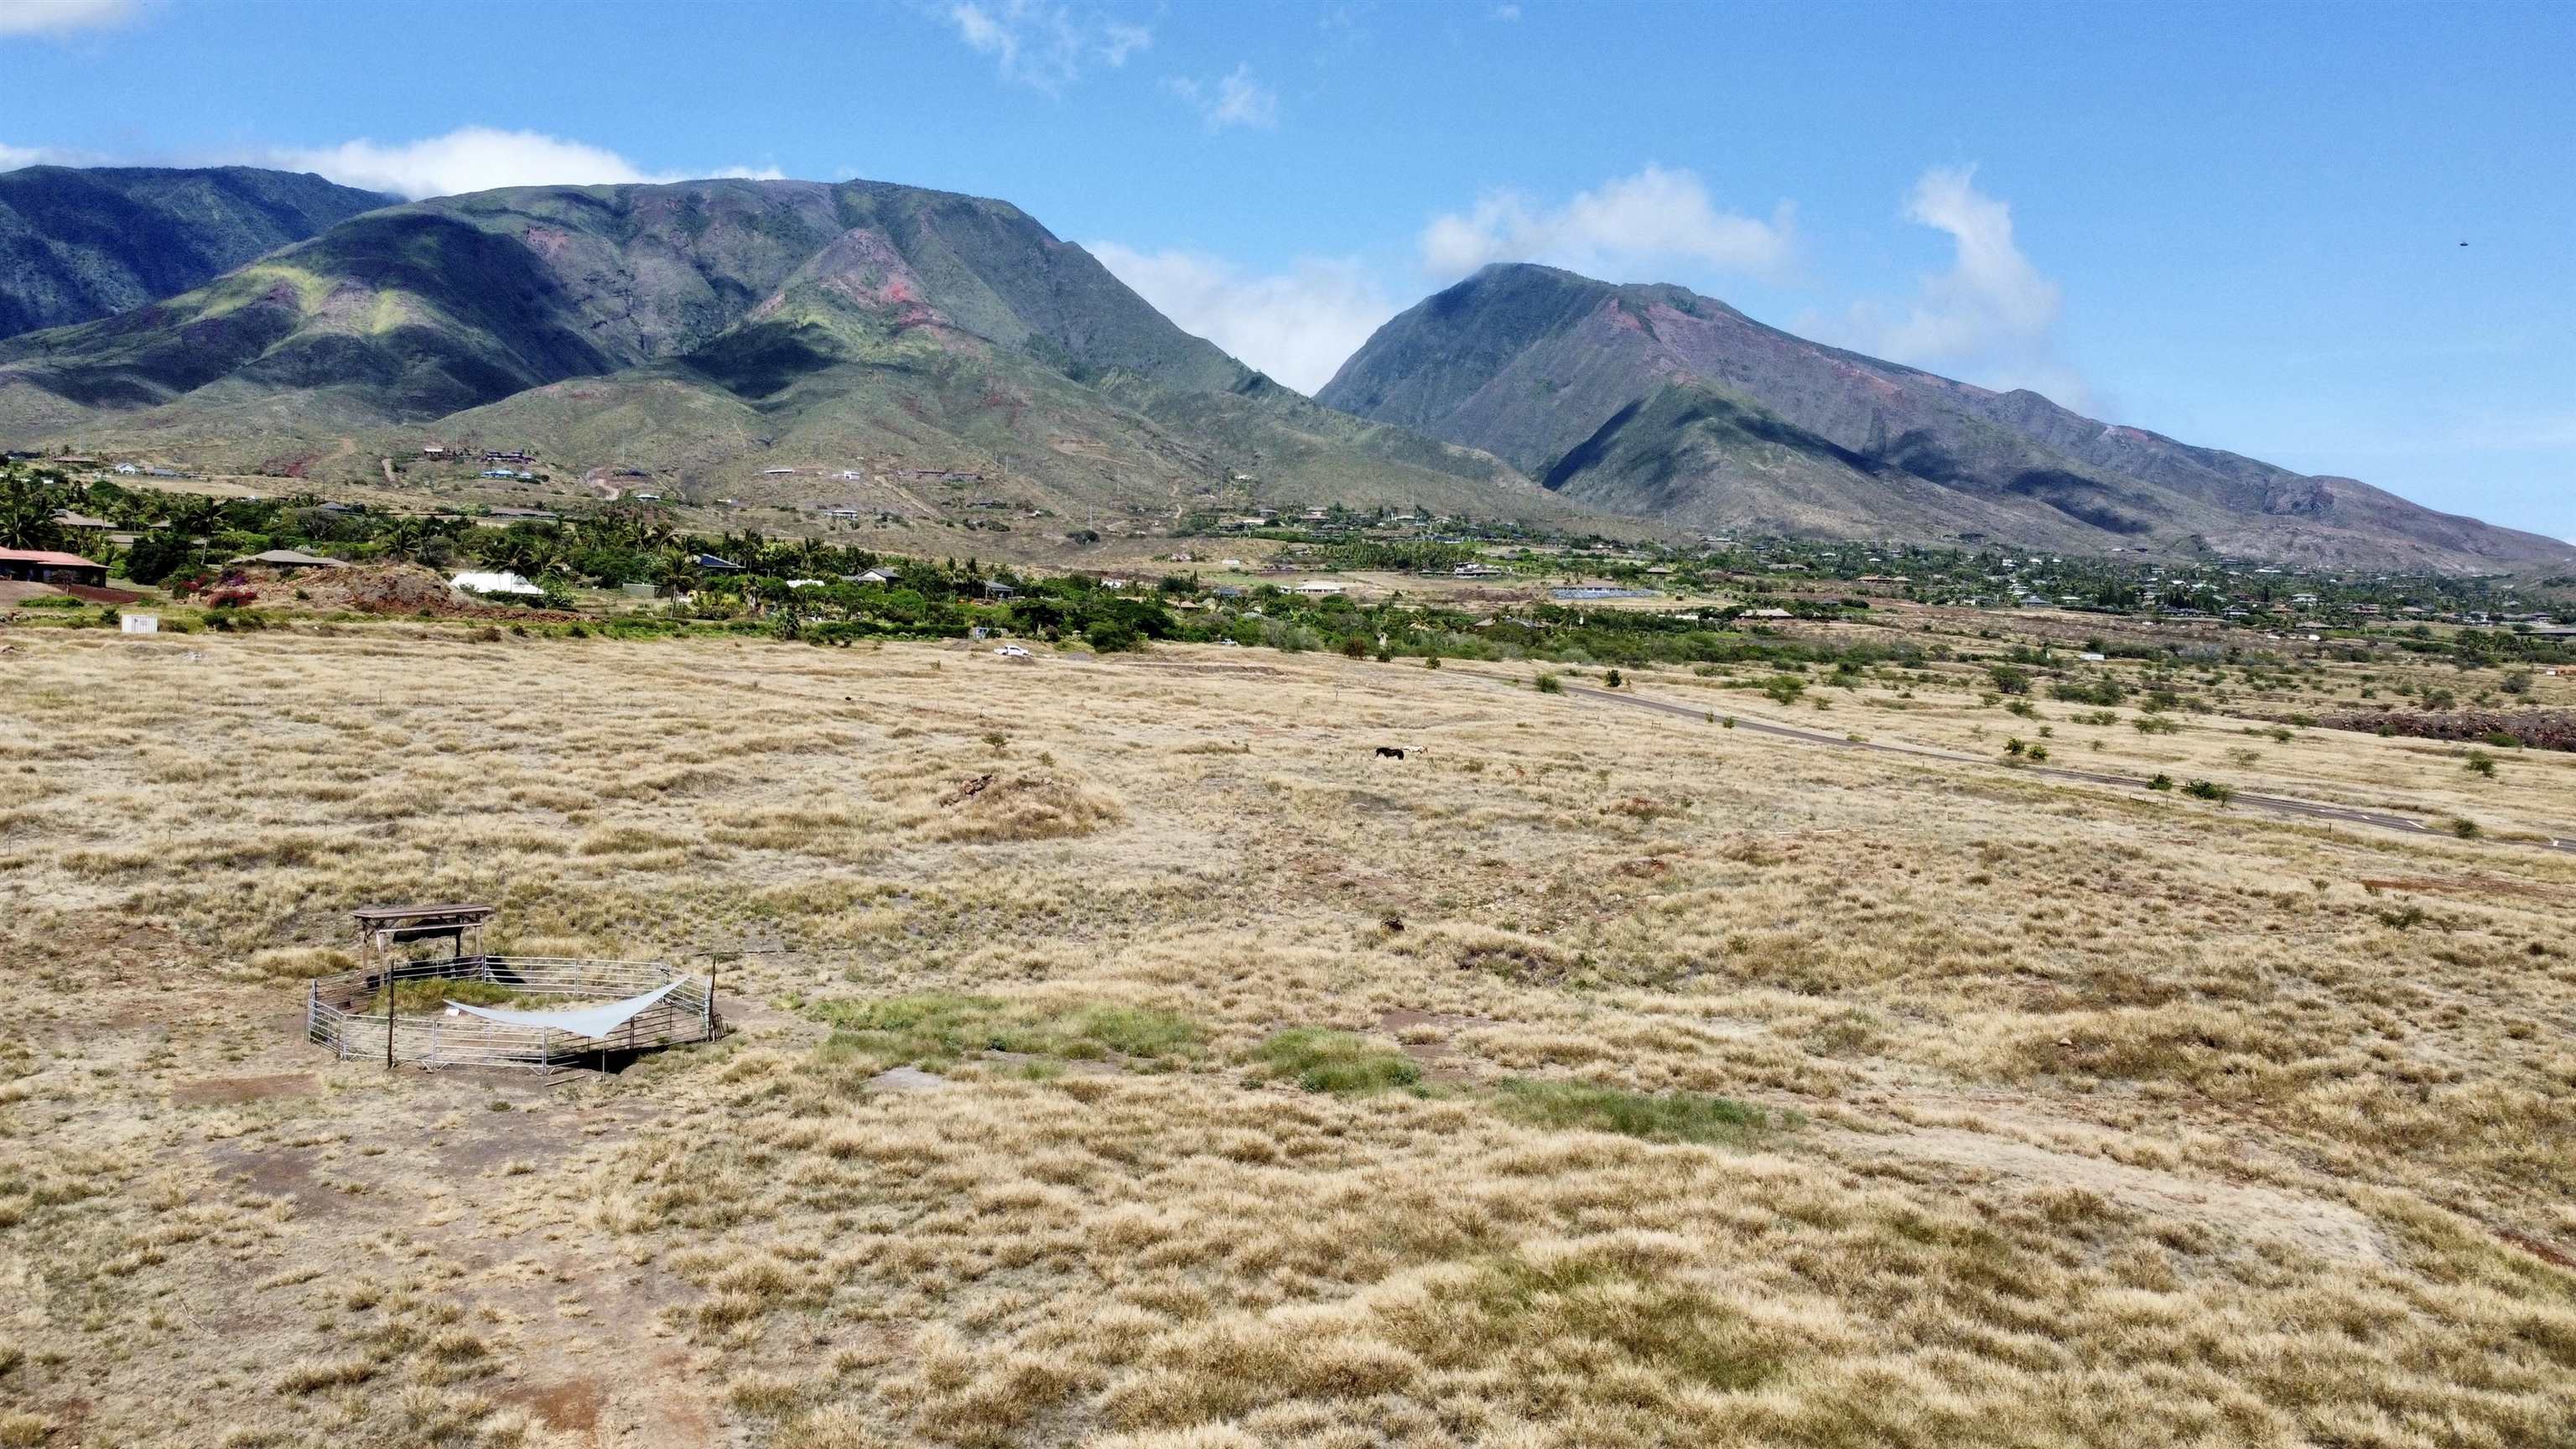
(570,1407)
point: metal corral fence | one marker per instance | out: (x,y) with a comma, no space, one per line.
(342,1012)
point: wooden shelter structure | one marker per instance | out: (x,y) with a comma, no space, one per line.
(559,1012)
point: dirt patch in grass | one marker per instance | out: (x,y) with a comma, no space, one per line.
(570,1407)
(2470,887)
(1425,1037)
(2241,1211)
(232,1091)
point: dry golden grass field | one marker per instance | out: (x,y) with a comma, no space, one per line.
(1201,1081)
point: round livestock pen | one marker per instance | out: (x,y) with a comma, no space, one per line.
(545,1014)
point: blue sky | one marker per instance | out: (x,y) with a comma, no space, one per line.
(2238,225)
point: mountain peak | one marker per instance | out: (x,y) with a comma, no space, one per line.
(1650,399)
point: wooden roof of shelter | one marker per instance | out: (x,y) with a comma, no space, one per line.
(451,913)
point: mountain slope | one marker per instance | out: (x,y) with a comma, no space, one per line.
(729,329)
(1660,403)
(83,243)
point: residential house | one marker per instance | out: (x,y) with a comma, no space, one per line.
(46,566)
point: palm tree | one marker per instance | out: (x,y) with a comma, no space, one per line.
(28,504)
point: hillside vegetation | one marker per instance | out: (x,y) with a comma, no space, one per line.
(79,243)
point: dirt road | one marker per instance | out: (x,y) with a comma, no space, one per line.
(2272,804)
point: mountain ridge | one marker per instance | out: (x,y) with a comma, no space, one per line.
(732,327)
(1654,401)
(81,243)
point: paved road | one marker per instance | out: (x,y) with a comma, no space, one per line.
(2274,804)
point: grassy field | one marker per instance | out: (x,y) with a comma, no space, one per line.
(1126,1055)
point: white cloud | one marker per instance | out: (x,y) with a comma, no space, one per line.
(1622,231)
(1505,13)
(1237,99)
(1119,40)
(1298,326)
(1042,45)
(1992,316)
(477,158)
(13,157)
(59,17)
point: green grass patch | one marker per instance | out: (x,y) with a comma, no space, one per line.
(935,1028)
(1681,1117)
(1335,1061)
(411,997)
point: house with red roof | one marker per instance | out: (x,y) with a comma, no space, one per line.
(44,566)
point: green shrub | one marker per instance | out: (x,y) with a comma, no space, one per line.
(1549,684)
(1335,1061)
(1680,1117)
(2161,782)
(2210,790)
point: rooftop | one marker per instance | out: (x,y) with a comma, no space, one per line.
(450,911)
(47,556)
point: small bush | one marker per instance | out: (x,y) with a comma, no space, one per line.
(1680,1117)
(2161,782)
(1335,1061)
(2463,827)
(2210,790)
(1548,684)
(2481,763)
(2154,724)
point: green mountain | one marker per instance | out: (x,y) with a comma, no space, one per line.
(877,345)
(81,243)
(1658,403)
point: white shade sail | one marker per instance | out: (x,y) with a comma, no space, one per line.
(589,1021)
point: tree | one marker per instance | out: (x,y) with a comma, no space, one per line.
(28,503)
